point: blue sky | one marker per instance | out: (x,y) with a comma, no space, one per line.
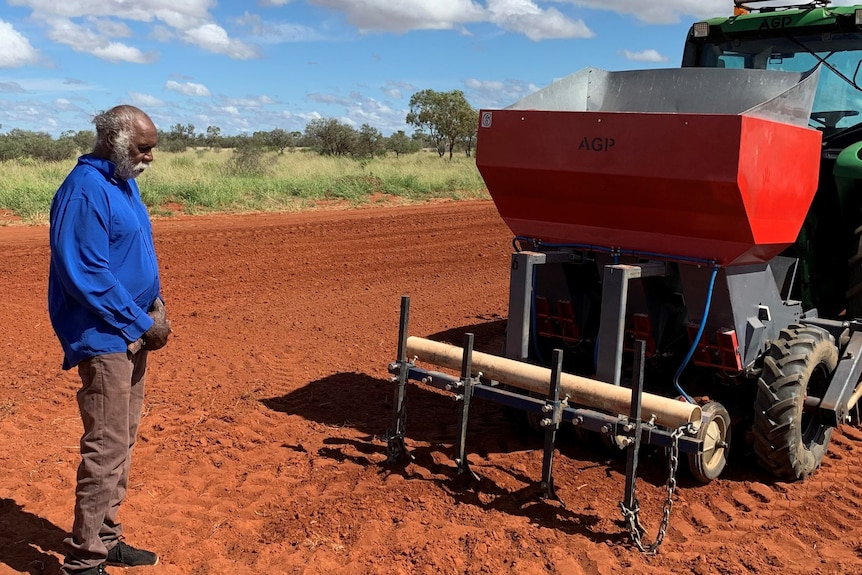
(256,65)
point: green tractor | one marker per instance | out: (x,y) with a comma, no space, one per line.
(801,38)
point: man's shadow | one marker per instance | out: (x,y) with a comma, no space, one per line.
(28,543)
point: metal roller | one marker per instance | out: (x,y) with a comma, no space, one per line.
(579,390)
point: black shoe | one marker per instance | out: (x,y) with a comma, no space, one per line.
(97,570)
(123,555)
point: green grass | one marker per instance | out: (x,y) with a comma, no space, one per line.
(210,181)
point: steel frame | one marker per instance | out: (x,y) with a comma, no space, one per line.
(554,409)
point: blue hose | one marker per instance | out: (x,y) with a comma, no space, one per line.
(650,255)
(697,337)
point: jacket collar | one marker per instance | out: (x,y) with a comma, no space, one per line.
(103,166)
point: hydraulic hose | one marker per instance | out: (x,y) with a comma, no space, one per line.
(697,337)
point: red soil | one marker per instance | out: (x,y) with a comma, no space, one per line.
(262,450)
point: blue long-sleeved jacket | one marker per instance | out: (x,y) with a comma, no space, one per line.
(104,275)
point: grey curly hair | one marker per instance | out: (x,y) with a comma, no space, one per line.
(115,125)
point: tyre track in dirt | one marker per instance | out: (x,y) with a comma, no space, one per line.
(261,447)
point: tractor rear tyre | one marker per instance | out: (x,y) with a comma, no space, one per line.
(714,432)
(788,442)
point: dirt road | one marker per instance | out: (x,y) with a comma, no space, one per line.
(262,451)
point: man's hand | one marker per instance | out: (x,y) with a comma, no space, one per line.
(135,346)
(157,336)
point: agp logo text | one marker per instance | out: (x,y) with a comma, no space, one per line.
(596,144)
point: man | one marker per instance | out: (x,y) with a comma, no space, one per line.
(104,299)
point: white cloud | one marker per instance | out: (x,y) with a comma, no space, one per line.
(11,87)
(496,94)
(277,33)
(189,19)
(330,99)
(376,113)
(187,88)
(214,38)
(145,100)
(82,39)
(64,105)
(15,49)
(405,15)
(48,85)
(392,93)
(176,14)
(163,34)
(118,52)
(526,17)
(644,56)
(664,12)
(41,116)
(519,16)
(256,102)
(111,28)
(304,117)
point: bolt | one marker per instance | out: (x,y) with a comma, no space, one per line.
(458,397)
(546,422)
(547,408)
(578,420)
(628,427)
(606,428)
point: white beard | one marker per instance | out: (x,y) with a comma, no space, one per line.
(124,168)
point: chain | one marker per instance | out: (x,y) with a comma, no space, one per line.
(632,516)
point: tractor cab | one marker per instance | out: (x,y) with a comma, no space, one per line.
(791,39)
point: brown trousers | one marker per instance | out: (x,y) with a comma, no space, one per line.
(110,402)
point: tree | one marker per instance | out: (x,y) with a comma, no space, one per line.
(178,139)
(400,143)
(447,116)
(82,140)
(279,139)
(469,142)
(247,159)
(213,135)
(369,141)
(330,137)
(19,144)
